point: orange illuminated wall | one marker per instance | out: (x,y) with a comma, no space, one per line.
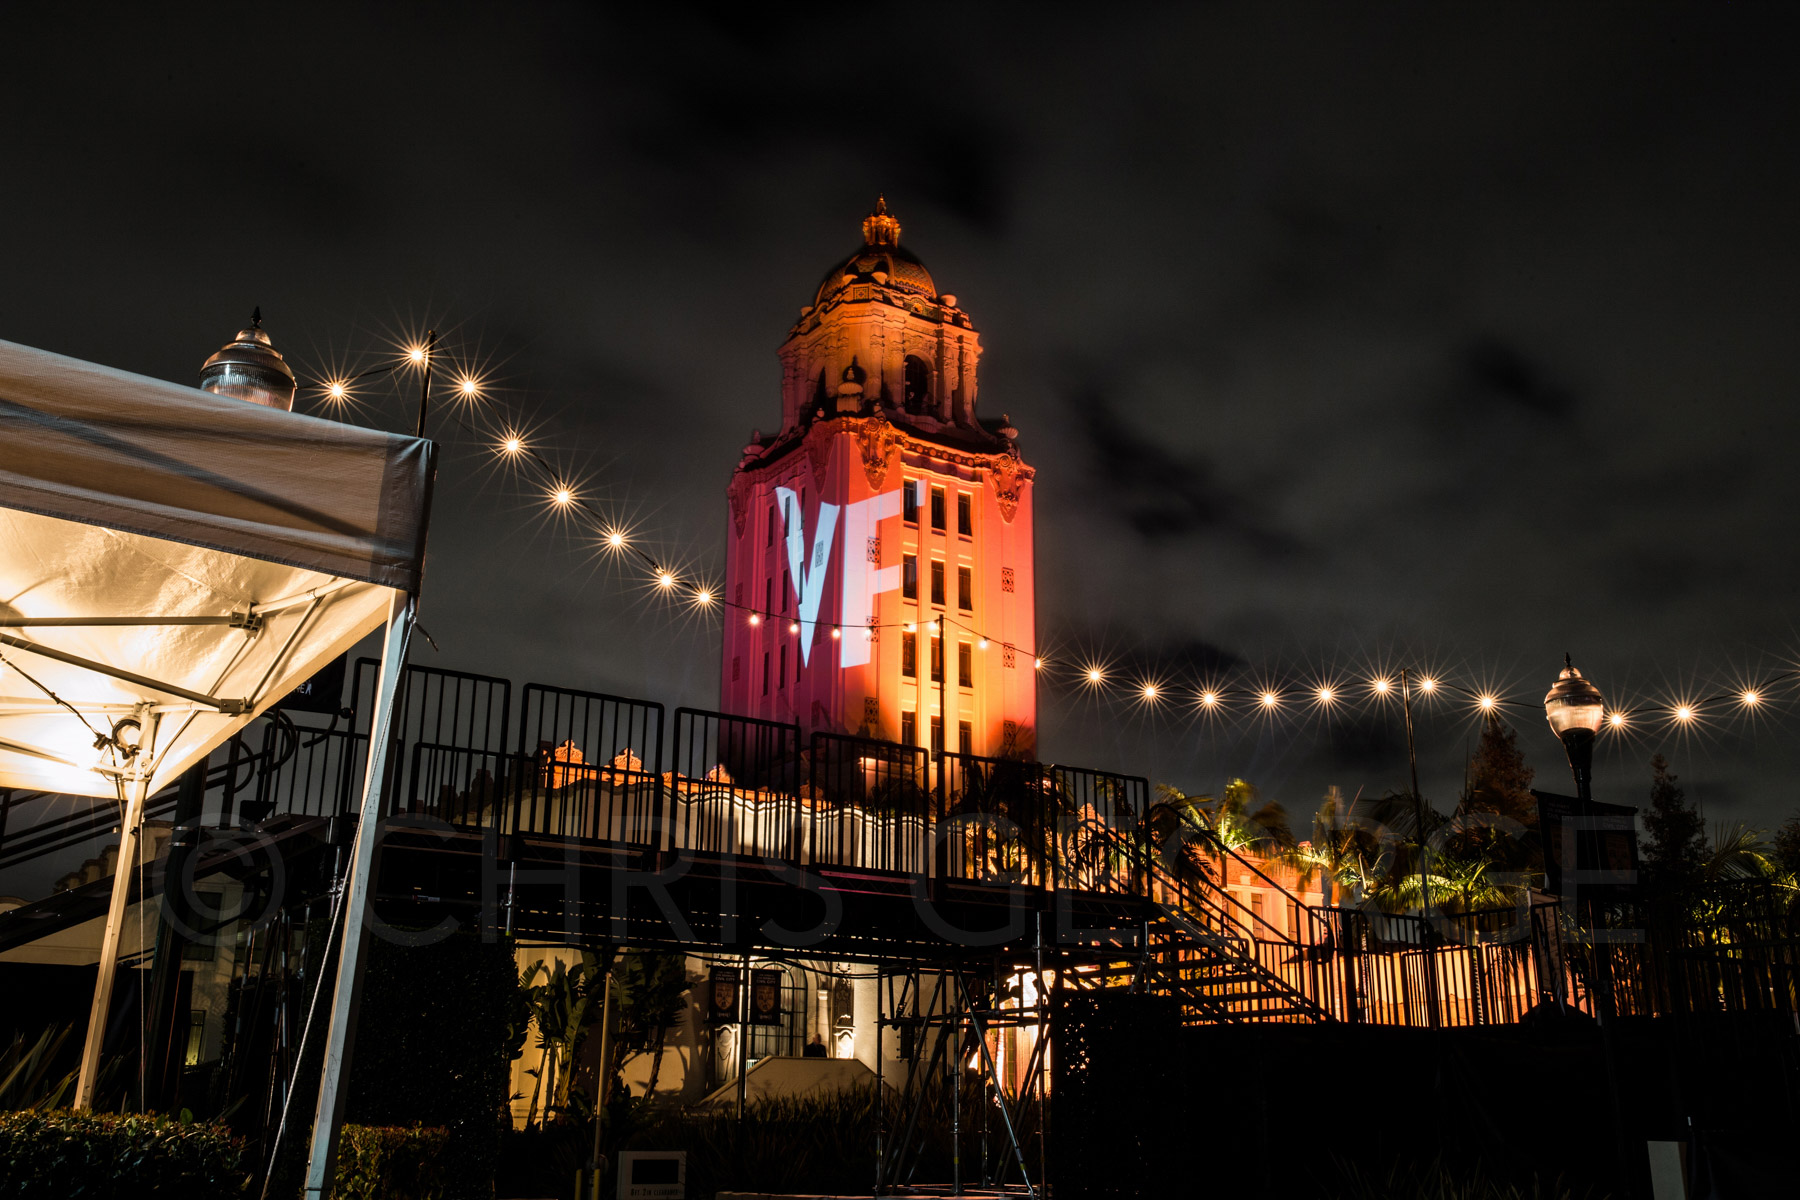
(883,501)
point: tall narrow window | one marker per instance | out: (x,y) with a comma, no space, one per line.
(771,524)
(786,589)
(909,728)
(965,514)
(937,582)
(937,660)
(768,597)
(937,735)
(909,501)
(965,665)
(909,576)
(965,738)
(937,509)
(782,682)
(965,589)
(765,672)
(909,655)
(917,376)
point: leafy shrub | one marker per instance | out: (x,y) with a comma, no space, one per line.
(385,1163)
(112,1155)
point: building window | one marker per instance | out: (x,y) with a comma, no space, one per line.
(937,582)
(937,660)
(937,735)
(965,514)
(909,655)
(1293,918)
(871,712)
(1009,736)
(782,681)
(909,576)
(786,588)
(937,509)
(771,524)
(768,597)
(965,665)
(1006,579)
(965,589)
(965,738)
(765,672)
(918,384)
(909,502)
(874,551)
(1006,657)
(909,728)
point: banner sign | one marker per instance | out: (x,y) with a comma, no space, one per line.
(722,997)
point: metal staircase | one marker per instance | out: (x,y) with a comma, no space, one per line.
(1221,960)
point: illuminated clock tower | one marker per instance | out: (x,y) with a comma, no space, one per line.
(883,507)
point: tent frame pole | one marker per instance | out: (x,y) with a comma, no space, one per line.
(130,830)
(329,1113)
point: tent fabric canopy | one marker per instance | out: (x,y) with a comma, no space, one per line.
(180,559)
(105,447)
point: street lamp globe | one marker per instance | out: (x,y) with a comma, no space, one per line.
(1576,710)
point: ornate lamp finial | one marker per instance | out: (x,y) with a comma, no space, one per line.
(879,229)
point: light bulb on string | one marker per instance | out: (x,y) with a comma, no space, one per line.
(1487,702)
(1270,699)
(1381,686)
(665,580)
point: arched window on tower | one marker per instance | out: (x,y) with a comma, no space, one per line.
(918,385)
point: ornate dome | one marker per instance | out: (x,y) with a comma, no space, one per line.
(881,254)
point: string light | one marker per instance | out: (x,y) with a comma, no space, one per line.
(1326,695)
(337,389)
(1684,712)
(1381,687)
(982,644)
(415,355)
(1487,703)
(615,540)
(512,444)
(1428,684)
(563,497)
(755,619)
(1150,691)
(836,633)
(1209,699)
(468,387)
(1094,674)
(1270,699)
(1750,699)
(665,580)
(793,627)
(703,597)
(1616,720)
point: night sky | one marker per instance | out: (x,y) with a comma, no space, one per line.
(1436,336)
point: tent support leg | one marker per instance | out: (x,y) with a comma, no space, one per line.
(328,1115)
(129,831)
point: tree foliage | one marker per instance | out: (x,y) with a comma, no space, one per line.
(1675,854)
(1499,781)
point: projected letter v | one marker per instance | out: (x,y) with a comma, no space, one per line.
(807,571)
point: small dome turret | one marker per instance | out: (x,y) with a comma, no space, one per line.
(879,260)
(250,368)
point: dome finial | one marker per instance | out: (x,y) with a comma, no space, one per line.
(880,229)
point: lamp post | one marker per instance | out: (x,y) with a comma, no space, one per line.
(1575,710)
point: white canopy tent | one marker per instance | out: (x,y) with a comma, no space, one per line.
(172,563)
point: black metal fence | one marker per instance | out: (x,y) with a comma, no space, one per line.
(868,804)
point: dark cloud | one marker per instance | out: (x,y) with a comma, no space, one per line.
(1161,494)
(1497,372)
